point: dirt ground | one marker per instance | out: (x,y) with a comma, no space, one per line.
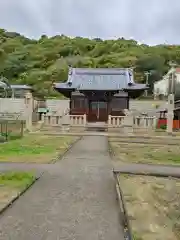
(156,152)
(153,206)
(6,195)
(11,184)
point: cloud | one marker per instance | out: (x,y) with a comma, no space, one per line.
(152,22)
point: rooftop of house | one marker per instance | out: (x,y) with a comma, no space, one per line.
(108,79)
(15,86)
(24,87)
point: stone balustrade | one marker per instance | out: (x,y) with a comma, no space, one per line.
(71,120)
(52,120)
(145,122)
(115,121)
(78,120)
(137,121)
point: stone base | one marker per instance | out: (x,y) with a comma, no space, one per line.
(128,130)
(115,130)
(65,128)
(144,130)
(77,129)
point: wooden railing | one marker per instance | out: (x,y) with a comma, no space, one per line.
(115,121)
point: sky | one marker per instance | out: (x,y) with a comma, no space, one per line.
(151,22)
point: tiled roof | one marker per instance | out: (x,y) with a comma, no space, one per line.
(98,79)
(20,87)
(137,86)
(3,84)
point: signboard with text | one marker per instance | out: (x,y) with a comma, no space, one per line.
(9,116)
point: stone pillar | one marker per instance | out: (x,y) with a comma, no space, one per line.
(128,122)
(29,110)
(170,113)
(84,120)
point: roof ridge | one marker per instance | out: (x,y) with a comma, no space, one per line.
(97,69)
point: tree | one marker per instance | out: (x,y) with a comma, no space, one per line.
(41,62)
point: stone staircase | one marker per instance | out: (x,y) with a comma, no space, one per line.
(97,127)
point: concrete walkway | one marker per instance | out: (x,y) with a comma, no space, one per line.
(148,169)
(74,200)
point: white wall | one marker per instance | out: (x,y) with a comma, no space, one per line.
(161,87)
(13,105)
(57,106)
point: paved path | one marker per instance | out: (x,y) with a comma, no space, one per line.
(160,169)
(148,169)
(75,199)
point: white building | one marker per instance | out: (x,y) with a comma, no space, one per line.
(161,87)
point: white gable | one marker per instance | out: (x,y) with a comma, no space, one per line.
(161,86)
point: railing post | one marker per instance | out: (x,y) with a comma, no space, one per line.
(42,117)
(84,120)
(109,120)
(145,122)
(154,123)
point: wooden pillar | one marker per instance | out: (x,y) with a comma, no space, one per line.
(128,102)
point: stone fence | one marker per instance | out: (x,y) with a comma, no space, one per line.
(136,121)
(113,121)
(71,120)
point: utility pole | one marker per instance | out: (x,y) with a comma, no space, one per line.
(172,78)
(171,90)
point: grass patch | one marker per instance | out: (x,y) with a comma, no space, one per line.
(35,148)
(17,180)
(12,183)
(146,153)
(153,206)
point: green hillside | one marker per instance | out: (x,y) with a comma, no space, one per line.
(41,62)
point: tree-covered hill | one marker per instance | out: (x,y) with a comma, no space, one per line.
(41,62)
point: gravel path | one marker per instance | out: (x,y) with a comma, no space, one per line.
(74,200)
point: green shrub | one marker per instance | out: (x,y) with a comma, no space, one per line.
(163,126)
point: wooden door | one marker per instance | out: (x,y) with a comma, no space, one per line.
(98,111)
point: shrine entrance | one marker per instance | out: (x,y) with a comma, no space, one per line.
(98,111)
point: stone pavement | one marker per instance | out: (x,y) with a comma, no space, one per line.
(74,199)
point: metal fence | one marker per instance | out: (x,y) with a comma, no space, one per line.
(11,129)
